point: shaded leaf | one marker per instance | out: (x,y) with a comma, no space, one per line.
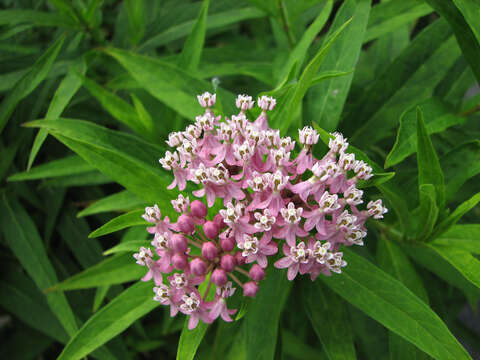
(121,201)
(428,211)
(123,221)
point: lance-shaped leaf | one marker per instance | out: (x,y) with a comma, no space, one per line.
(393,305)
(219,19)
(111,320)
(119,109)
(462,237)
(328,316)
(22,237)
(467,264)
(438,116)
(428,211)
(38,18)
(29,81)
(171,85)
(291,104)
(132,218)
(326,100)
(456,215)
(121,201)
(297,56)
(127,246)
(62,97)
(114,270)
(192,49)
(389,16)
(125,158)
(392,259)
(459,165)
(410,79)
(137,17)
(429,170)
(463,17)
(69,165)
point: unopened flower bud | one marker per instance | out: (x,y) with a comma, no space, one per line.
(211,230)
(250,289)
(219,277)
(209,250)
(227,244)
(178,243)
(227,262)
(218,220)
(186,224)
(198,267)
(179,261)
(257,273)
(240,258)
(198,209)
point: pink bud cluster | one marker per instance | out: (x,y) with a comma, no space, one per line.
(309,206)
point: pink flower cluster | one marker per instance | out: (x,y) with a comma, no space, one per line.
(270,197)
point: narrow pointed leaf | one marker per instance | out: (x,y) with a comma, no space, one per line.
(127,246)
(111,320)
(462,237)
(62,97)
(329,319)
(69,165)
(327,99)
(22,237)
(121,201)
(192,49)
(132,218)
(114,270)
(393,305)
(456,215)
(29,81)
(429,170)
(428,211)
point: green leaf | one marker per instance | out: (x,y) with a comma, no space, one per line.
(390,15)
(121,201)
(378,179)
(428,211)
(22,237)
(69,165)
(192,49)
(169,84)
(117,269)
(391,303)
(38,18)
(17,293)
(467,264)
(62,97)
(459,165)
(410,79)
(132,218)
(119,109)
(429,259)
(328,316)
(463,17)
(258,338)
(127,246)
(326,100)
(438,117)
(136,15)
(429,170)
(124,158)
(29,81)
(462,237)
(111,320)
(456,215)
(283,116)
(258,70)
(217,20)
(86,179)
(393,260)
(297,56)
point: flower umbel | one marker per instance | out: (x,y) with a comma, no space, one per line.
(273,196)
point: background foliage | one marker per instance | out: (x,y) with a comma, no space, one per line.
(110,79)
